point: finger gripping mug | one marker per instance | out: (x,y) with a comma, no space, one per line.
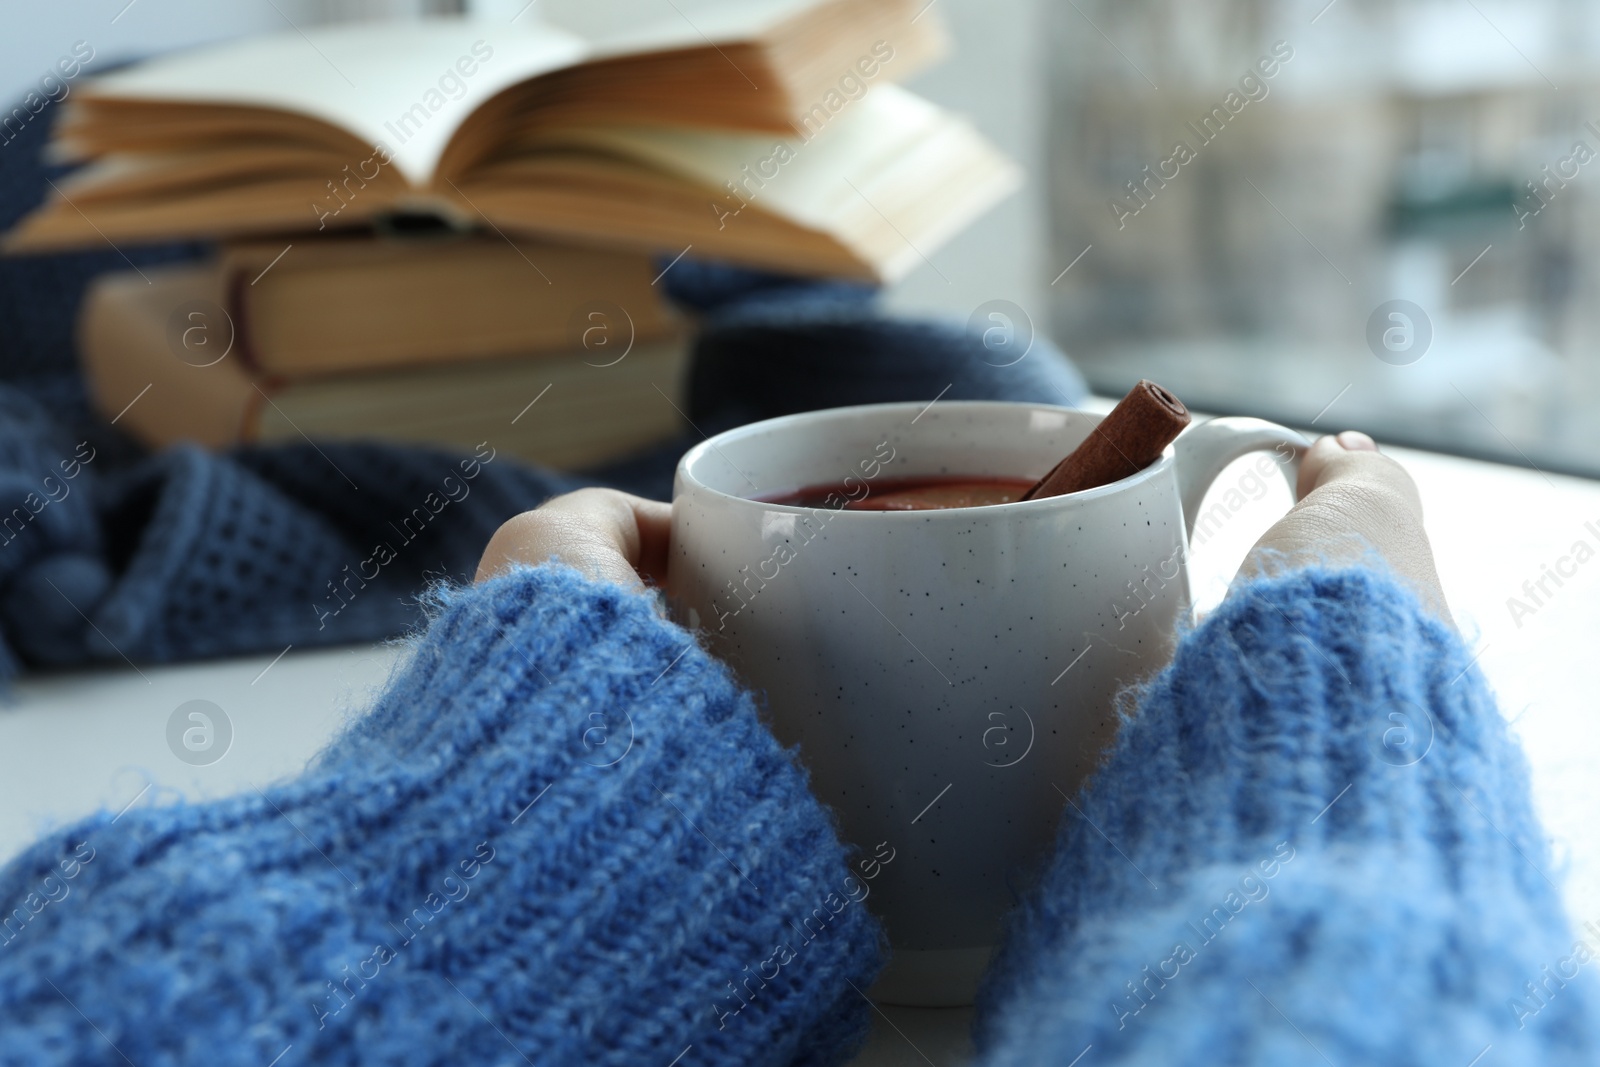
(948,676)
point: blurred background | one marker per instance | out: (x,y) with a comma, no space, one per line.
(1409,150)
(1406,150)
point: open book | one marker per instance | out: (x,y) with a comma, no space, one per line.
(745,129)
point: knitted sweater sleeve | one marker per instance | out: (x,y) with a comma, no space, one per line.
(1312,842)
(561,836)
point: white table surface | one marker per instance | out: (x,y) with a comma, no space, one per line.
(74,743)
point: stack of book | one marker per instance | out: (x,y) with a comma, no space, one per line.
(449,341)
(426,226)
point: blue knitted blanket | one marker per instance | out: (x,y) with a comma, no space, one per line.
(109,554)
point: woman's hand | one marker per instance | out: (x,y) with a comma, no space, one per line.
(1353,500)
(606,534)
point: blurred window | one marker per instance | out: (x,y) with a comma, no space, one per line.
(1370,213)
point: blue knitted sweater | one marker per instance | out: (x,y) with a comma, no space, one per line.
(563,836)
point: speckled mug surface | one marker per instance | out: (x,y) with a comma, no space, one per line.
(949,675)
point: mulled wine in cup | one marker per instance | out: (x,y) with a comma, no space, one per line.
(948,672)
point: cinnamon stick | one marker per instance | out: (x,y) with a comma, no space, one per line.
(1125,442)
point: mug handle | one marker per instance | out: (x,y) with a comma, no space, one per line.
(1205,449)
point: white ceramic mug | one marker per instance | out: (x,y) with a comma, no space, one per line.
(948,675)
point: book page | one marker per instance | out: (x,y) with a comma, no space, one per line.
(406,86)
(805,181)
(621,27)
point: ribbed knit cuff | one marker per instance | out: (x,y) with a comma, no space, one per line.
(1317,796)
(562,830)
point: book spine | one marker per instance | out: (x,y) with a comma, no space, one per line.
(133,374)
